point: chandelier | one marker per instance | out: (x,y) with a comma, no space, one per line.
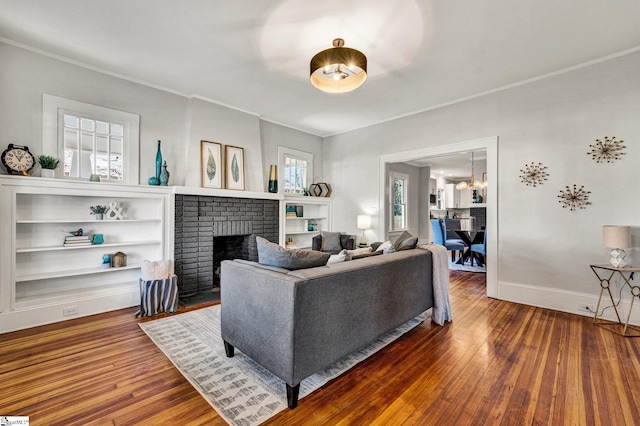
(339,69)
(474,184)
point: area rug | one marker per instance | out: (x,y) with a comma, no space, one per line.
(466,267)
(241,391)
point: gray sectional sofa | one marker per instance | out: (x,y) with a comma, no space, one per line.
(297,322)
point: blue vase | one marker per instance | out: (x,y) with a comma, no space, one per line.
(158,162)
(164,175)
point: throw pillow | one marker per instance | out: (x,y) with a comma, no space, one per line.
(408,244)
(158,270)
(357,252)
(273,255)
(386,247)
(400,239)
(337,258)
(331,241)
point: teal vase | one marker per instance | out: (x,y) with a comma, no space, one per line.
(158,162)
(164,175)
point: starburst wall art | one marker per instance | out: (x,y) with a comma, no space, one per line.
(608,150)
(574,198)
(533,174)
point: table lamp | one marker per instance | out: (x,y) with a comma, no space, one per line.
(363,222)
(617,238)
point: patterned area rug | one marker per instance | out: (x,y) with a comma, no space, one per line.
(241,391)
(467,267)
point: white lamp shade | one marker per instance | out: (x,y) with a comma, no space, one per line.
(364,221)
(616,236)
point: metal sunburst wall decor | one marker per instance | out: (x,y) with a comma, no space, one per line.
(574,198)
(608,150)
(533,174)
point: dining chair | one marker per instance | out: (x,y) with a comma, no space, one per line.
(480,249)
(438,238)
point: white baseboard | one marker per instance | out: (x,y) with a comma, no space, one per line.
(568,301)
(34,316)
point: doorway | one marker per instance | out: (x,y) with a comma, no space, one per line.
(491,146)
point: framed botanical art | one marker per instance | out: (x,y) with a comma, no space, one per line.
(235,167)
(211,164)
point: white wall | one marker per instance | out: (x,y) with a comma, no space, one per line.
(553,121)
(273,135)
(180,122)
(25,76)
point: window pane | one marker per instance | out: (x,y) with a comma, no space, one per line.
(71,162)
(116,167)
(102,127)
(71,121)
(117,130)
(86,124)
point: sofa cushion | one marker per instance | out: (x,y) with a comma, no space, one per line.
(273,255)
(331,241)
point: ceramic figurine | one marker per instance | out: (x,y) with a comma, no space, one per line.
(164,175)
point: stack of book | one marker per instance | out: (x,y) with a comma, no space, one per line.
(77,241)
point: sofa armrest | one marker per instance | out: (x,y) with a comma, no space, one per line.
(316,243)
(249,321)
(348,241)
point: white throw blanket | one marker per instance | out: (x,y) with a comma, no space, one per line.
(441,305)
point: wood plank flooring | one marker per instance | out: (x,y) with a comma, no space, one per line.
(496,363)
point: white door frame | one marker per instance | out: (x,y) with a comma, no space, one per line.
(491,146)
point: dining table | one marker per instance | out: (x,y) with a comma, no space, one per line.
(469,238)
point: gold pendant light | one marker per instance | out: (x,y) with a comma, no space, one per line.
(339,69)
(474,184)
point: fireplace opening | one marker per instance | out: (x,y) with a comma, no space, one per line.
(228,248)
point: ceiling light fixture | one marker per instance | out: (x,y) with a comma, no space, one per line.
(474,184)
(339,69)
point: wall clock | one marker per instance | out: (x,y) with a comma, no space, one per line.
(17,159)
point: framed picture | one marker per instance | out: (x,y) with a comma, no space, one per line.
(235,167)
(211,164)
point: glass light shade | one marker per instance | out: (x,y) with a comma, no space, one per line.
(364,221)
(339,69)
(462,185)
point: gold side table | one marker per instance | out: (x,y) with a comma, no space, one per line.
(605,274)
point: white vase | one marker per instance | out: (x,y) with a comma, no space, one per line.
(47,173)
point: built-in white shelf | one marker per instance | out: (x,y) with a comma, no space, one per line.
(40,277)
(87,246)
(92,221)
(317,210)
(72,273)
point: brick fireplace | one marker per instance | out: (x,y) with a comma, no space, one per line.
(209,229)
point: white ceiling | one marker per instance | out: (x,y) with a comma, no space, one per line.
(254,55)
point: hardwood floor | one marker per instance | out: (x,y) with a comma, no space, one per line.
(496,363)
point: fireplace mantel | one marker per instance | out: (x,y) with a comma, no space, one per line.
(194,190)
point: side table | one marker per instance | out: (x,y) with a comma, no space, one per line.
(605,274)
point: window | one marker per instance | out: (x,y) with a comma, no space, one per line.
(296,170)
(399,183)
(90,139)
(92,147)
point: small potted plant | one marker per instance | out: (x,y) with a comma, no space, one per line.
(48,165)
(98,211)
